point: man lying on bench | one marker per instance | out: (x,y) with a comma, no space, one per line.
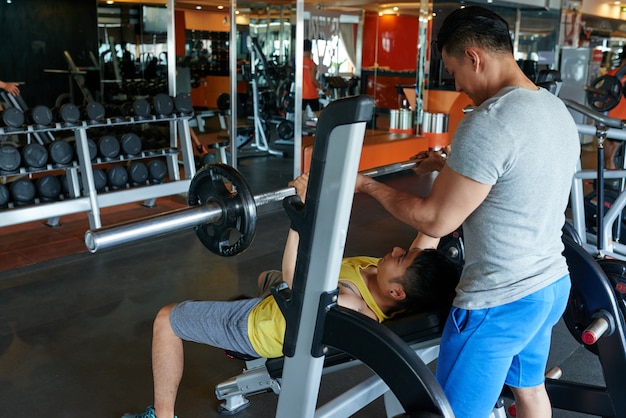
(420,279)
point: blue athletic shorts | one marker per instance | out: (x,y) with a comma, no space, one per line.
(481,350)
(220,324)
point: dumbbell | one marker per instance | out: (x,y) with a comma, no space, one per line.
(61,152)
(67,112)
(117,177)
(23,192)
(157,171)
(141,108)
(48,188)
(12,117)
(109,147)
(131,143)
(5,196)
(39,115)
(66,185)
(99,179)
(10,158)
(93,149)
(183,103)
(138,173)
(93,112)
(35,155)
(163,105)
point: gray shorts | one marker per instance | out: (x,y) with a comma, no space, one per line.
(221,324)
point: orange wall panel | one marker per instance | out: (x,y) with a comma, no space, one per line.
(199,20)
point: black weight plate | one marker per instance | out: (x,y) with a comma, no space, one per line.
(183,103)
(35,155)
(61,152)
(163,104)
(222,184)
(93,148)
(12,117)
(577,316)
(66,183)
(285,130)
(99,179)
(48,187)
(23,191)
(131,143)
(138,172)
(10,158)
(141,108)
(109,146)
(4,196)
(41,115)
(604,93)
(69,113)
(117,176)
(157,170)
(223,102)
(95,111)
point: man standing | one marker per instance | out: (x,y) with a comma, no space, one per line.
(507,181)
(310,83)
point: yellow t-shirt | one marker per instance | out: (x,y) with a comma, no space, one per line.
(266,324)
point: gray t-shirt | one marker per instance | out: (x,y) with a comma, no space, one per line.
(525,144)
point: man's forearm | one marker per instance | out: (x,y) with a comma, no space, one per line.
(403,206)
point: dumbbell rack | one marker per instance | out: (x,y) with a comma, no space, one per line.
(91,201)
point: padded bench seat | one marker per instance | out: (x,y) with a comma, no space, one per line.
(380,148)
(413,329)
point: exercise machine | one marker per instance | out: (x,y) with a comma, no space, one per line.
(603,239)
(330,192)
(261,141)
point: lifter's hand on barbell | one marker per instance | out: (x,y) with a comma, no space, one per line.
(429,161)
(300,183)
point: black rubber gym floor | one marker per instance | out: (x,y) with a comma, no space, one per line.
(75,332)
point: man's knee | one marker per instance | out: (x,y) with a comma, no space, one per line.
(162,319)
(531,395)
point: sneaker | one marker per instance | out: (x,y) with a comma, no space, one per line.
(148,413)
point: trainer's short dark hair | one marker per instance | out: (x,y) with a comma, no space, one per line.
(308,45)
(474,26)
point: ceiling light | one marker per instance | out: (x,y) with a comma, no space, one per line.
(220,7)
(198,7)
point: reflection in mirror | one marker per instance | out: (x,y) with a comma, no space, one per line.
(132,50)
(389,60)
(268,66)
(534,33)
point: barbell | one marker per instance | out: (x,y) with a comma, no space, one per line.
(222,210)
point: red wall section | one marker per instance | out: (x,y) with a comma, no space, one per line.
(396,38)
(179,27)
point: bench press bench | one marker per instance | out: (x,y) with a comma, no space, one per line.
(420,330)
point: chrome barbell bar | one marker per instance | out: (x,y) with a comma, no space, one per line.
(210,212)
